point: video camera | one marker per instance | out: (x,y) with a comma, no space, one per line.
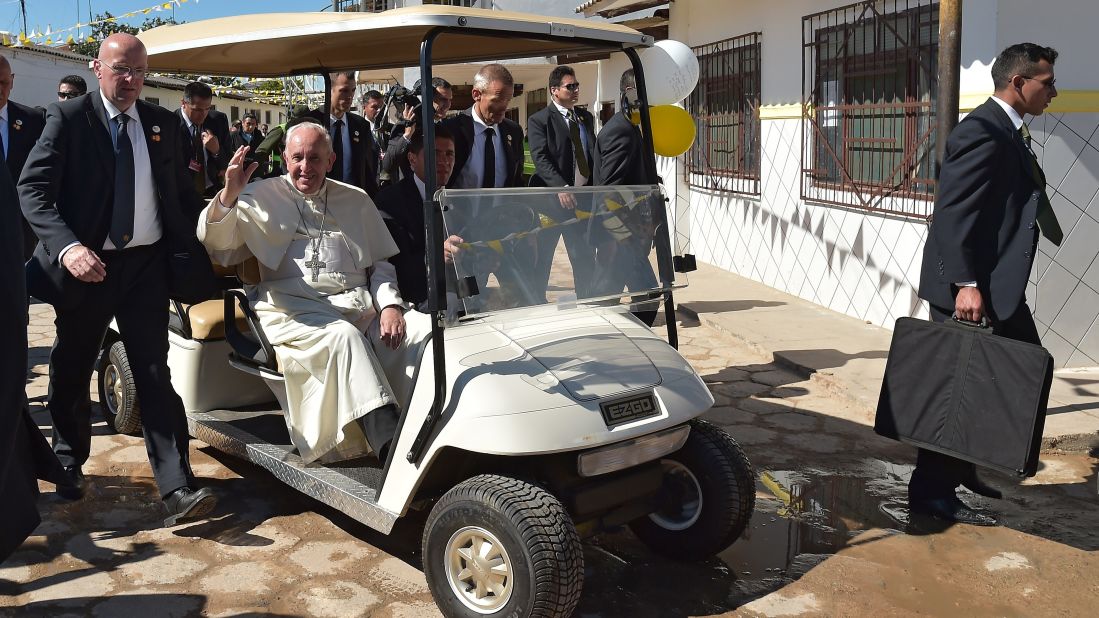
(396,101)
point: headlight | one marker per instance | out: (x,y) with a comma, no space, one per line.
(633,452)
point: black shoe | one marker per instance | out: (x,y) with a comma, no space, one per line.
(74,488)
(186,503)
(979,487)
(949,509)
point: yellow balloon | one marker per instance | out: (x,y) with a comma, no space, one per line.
(673,130)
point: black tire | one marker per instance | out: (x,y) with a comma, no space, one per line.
(117,392)
(540,570)
(706,500)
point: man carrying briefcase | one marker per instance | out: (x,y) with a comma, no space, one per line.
(991,205)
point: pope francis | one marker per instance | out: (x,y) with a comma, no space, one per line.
(327,299)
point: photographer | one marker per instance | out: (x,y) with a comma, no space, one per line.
(407,105)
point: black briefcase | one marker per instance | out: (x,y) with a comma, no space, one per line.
(966,392)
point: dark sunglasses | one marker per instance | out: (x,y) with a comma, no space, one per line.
(68,95)
(573,87)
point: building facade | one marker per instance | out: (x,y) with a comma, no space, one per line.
(814,169)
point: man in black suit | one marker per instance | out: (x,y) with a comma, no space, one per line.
(481,162)
(106,192)
(619,161)
(248,135)
(991,204)
(394,165)
(70,87)
(402,208)
(204,141)
(20,127)
(25,456)
(561,140)
(356,152)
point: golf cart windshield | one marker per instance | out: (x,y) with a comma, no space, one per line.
(510,256)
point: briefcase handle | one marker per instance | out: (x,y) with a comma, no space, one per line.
(983,324)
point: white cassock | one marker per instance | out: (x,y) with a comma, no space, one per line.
(325,332)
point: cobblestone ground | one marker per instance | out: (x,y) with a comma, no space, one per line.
(825,538)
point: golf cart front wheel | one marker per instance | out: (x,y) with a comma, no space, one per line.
(498,546)
(117,392)
(706,499)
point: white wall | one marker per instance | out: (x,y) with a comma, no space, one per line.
(868,265)
(37,75)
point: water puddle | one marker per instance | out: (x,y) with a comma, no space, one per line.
(802,517)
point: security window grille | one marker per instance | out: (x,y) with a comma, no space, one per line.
(725,106)
(870,82)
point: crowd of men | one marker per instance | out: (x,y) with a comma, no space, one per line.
(110,187)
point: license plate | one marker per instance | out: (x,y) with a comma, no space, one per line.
(629,409)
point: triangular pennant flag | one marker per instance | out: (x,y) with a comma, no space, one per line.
(70,40)
(49,30)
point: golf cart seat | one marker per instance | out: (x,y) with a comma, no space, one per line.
(205,321)
(251,352)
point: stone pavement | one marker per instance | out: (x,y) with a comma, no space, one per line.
(824,540)
(848,355)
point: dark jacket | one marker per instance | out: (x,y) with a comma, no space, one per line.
(403,211)
(551,146)
(214,165)
(24,126)
(461,127)
(983,227)
(67,189)
(25,456)
(619,152)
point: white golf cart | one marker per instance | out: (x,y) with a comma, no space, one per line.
(536,417)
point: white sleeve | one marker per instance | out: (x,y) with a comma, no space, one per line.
(221,238)
(383,286)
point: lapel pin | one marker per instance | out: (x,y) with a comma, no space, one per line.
(156,128)
(18,125)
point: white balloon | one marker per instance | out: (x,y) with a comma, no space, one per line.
(671,72)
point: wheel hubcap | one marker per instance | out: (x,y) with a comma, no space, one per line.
(680,498)
(478,569)
(112,387)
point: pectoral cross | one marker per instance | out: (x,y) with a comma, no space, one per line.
(315,265)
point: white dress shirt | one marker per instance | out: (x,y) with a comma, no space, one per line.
(146,214)
(345,137)
(584,141)
(474,170)
(1016,119)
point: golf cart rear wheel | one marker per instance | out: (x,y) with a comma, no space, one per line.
(706,499)
(498,546)
(117,392)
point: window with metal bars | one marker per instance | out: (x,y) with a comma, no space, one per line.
(870,83)
(725,105)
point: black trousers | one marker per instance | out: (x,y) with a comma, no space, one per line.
(938,475)
(578,243)
(135,294)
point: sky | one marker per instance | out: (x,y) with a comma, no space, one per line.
(59,14)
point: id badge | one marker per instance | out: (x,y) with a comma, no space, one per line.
(194,165)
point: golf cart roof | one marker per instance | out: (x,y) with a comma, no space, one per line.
(279,44)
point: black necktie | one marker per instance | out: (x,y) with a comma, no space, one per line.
(337,147)
(488,180)
(200,159)
(122,212)
(1045,217)
(578,145)
(3,153)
